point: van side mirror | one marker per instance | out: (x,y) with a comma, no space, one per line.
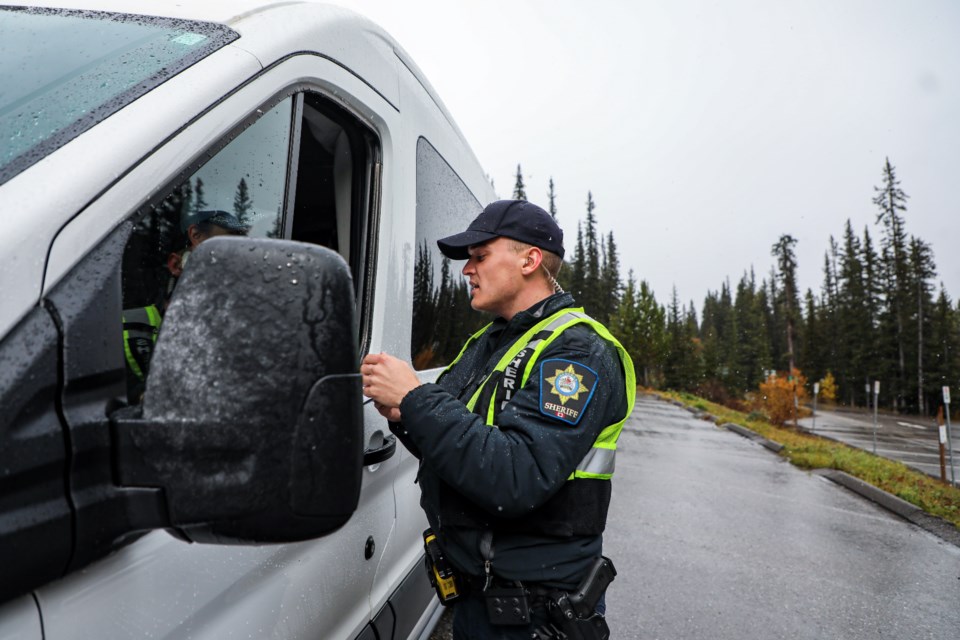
(251,423)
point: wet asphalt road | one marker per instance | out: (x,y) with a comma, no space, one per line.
(913,440)
(716,537)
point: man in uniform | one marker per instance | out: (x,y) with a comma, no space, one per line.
(516,439)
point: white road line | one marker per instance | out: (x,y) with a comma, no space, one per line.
(912,426)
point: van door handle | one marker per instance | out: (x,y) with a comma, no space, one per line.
(381,453)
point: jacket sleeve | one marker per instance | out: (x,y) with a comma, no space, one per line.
(517,467)
(397,429)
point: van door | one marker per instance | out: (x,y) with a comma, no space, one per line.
(300,161)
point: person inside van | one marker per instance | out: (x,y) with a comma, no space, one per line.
(142,324)
(517,437)
(201,226)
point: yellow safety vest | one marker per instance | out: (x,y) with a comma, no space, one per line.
(140,325)
(599,461)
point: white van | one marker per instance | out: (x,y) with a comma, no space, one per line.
(184,448)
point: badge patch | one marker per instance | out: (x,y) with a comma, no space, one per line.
(566,389)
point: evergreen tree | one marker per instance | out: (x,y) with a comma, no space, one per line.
(872,290)
(854,326)
(592,296)
(552,199)
(774,317)
(424,309)
(578,268)
(200,203)
(652,334)
(710,338)
(673,361)
(922,271)
(242,203)
(683,364)
(753,354)
(610,285)
(812,359)
(729,329)
(519,189)
(944,363)
(783,251)
(829,350)
(639,325)
(891,201)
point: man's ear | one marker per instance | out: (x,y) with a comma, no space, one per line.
(195,236)
(532,262)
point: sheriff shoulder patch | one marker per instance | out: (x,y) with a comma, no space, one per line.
(566,389)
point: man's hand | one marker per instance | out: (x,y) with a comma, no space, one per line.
(387,380)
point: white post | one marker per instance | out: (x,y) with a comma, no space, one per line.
(816,392)
(946,401)
(876,394)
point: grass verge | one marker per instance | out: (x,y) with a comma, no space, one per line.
(809,451)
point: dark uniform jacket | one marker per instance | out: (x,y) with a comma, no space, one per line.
(513,480)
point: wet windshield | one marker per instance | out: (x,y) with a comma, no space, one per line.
(61,72)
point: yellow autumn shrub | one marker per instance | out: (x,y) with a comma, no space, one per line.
(777,393)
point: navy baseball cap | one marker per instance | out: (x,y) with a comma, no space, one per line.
(214,216)
(516,219)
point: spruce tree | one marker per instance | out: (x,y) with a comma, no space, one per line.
(891,200)
(872,290)
(519,189)
(610,285)
(854,325)
(786,257)
(709,337)
(424,309)
(729,340)
(591,293)
(552,199)
(922,271)
(651,334)
(673,361)
(242,203)
(752,356)
(578,268)
(944,364)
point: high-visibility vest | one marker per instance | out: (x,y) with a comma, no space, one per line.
(492,395)
(140,328)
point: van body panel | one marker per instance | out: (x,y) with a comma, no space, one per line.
(20,620)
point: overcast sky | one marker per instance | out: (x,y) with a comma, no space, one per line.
(705,130)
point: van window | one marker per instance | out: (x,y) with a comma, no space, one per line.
(442,316)
(302,169)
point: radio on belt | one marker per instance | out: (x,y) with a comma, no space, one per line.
(442,575)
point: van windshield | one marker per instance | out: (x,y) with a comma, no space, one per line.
(61,72)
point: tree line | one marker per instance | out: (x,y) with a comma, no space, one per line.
(878,316)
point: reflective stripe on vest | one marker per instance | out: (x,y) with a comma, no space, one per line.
(139,323)
(599,461)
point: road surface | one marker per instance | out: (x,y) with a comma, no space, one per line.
(912,440)
(715,537)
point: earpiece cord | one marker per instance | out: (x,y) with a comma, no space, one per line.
(556,285)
